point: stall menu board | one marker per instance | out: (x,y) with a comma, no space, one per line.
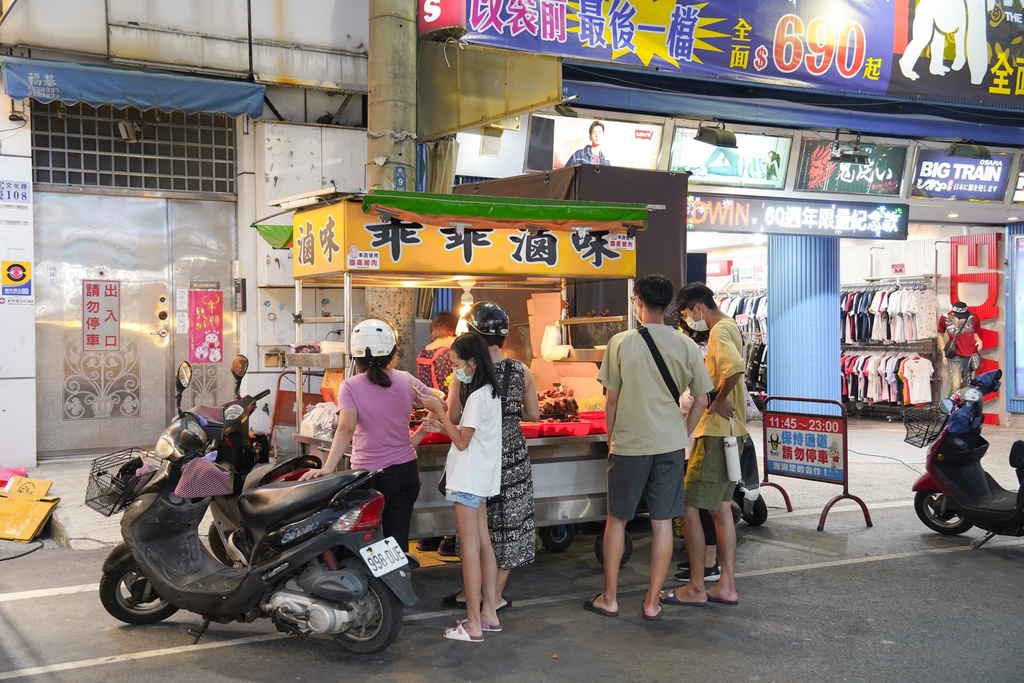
(557,141)
(757,161)
(101,315)
(341,238)
(938,176)
(818,172)
(805,446)
(759,215)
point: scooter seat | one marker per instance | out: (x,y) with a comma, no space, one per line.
(1017,455)
(283,501)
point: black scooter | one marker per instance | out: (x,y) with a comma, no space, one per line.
(318,562)
(956,493)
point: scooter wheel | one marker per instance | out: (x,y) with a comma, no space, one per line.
(128,596)
(758,513)
(378,621)
(934,510)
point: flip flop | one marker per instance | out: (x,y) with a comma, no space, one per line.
(459,632)
(484,626)
(670,598)
(643,612)
(722,601)
(591,607)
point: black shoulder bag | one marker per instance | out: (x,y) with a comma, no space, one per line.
(949,351)
(660,362)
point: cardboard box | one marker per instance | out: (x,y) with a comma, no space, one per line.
(25,508)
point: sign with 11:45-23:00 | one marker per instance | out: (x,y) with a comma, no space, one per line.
(805,446)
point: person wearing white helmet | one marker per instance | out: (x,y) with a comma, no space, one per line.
(373,416)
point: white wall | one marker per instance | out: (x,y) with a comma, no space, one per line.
(509,163)
(17,313)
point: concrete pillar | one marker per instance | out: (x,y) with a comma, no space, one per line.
(391,141)
(803,320)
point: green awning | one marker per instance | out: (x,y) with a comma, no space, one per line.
(277,236)
(505,212)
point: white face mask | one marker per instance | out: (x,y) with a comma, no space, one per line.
(696,325)
(462,376)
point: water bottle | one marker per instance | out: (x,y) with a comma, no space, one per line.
(732,457)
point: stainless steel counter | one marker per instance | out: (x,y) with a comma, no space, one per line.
(569,481)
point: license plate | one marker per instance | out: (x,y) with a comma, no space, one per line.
(384,556)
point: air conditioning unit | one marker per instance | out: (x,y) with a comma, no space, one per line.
(512,123)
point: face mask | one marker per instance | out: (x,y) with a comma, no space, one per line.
(462,376)
(697,325)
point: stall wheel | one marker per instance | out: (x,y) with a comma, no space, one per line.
(627,549)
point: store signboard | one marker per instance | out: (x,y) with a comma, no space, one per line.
(882,173)
(1018,193)
(342,238)
(938,176)
(770,216)
(557,141)
(757,160)
(869,47)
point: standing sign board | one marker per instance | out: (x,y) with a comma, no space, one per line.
(808,446)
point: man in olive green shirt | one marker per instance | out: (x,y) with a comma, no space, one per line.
(646,437)
(707,482)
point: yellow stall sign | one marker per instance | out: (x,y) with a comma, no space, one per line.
(341,238)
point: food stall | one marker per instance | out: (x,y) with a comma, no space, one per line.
(399,239)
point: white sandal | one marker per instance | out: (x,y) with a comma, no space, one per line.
(459,632)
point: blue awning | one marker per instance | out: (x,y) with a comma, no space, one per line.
(97,85)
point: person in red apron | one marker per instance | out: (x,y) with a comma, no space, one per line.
(433,367)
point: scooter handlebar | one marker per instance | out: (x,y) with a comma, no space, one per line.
(262,394)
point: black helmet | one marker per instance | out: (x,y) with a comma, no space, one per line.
(487,318)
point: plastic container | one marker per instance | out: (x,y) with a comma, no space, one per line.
(531,430)
(597,420)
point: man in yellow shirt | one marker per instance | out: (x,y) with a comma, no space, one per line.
(707,484)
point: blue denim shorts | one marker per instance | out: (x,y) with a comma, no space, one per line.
(467,499)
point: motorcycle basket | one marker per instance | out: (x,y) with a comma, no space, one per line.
(115,479)
(923,425)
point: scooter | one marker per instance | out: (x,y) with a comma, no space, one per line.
(242,453)
(319,563)
(956,493)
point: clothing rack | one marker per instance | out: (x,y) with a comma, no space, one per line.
(925,348)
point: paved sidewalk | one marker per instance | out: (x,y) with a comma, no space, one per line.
(882,469)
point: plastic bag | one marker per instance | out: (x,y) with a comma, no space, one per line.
(753,414)
(320,421)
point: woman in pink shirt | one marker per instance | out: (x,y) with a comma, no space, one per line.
(373,416)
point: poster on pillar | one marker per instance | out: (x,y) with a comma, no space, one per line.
(968,51)
(206,326)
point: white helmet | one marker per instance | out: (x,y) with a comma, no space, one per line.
(373,338)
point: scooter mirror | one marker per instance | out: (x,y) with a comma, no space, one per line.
(184,375)
(946,405)
(239,366)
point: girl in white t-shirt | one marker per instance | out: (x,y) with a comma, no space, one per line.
(473,474)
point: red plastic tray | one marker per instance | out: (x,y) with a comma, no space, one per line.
(433,438)
(596,418)
(531,430)
(564,428)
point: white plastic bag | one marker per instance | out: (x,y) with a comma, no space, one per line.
(320,421)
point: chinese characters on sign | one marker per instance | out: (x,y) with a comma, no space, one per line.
(721,213)
(870,47)
(805,446)
(405,247)
(818,172)
(206,326)
(101,315)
